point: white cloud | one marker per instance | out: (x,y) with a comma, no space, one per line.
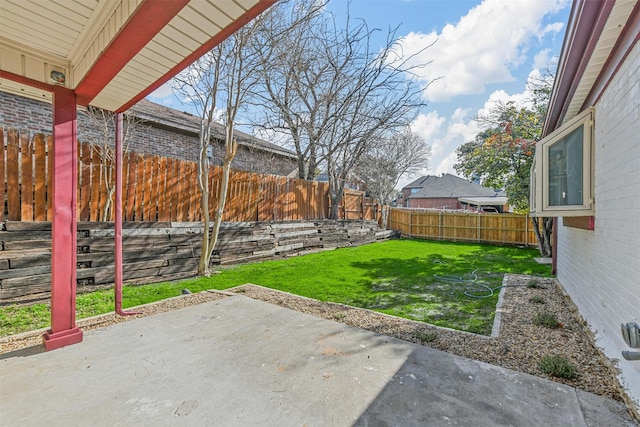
(481,48)
(162,92)
(446,166)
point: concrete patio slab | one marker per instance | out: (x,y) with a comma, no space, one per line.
(240,362)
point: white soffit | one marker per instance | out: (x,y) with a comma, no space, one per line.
(612,29)
(69,36)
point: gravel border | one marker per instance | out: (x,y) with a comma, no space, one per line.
(519,345)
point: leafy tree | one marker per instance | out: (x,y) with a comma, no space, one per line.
(501,155)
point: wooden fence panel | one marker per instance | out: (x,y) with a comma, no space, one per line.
(459,226)
(156,189)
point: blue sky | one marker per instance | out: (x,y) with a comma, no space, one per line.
(484,52)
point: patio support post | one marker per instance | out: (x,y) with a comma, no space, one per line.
(63,225)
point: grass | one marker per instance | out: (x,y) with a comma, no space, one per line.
(558,366)
(415,279)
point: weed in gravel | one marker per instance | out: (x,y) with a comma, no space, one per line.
(533,284)
(537,300)
(546,319)
(339,316)
(425,337)
(558,366)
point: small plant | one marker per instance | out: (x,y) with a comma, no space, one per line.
(425,337)
(546,319)
(537,300)
(533,284)
(339,316)
(558,366)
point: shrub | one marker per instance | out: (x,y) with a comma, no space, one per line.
(546,319)
(558,366)
(537,300)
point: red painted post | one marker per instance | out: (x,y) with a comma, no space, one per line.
(118,216)
(64,226)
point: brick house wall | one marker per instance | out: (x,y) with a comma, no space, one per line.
(434,203)
(34,116)
(600,268)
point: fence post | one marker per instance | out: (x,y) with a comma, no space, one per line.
(526,231)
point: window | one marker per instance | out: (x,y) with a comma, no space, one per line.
(561,174)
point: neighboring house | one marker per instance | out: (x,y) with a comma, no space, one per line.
(163,132)
(587,174)
(451,192)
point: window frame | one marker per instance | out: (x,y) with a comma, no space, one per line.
(539,180)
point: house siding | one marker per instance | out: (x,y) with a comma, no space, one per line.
(34,116)
(600,269)
(434,203)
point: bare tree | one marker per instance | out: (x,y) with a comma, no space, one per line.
(335,95)
(384,163)
(222,77)
(99,132)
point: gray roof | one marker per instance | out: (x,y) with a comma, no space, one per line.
(183,121)
(447,186)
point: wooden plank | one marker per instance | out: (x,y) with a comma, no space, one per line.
(148,180)
(27,226)
(49,177)
(33,287)
(179,191)
(195,214)
(161,189)
(26,188)
(95,184)
(22,272)
(131,187)
(2,186)
(20,236)
(139,189)
(27,244)
(175,190)
(23,259)
(13,180)
(155,189)
(40,279)
(40,205)
(84,197)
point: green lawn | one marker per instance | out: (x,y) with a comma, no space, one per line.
(420,280)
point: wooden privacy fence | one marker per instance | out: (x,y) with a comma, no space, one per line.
(469,227)
(157,188)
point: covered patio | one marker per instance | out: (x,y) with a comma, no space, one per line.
(108,54)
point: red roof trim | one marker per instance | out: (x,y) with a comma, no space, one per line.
(586,23)
(214,41)
(625,43)
(148,19)
(26,81)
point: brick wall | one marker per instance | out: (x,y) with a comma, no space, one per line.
(600,268)
(434,203)
(34,116)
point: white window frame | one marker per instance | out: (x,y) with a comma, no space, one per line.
(540,169)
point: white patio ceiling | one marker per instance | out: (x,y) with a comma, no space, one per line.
(112,53)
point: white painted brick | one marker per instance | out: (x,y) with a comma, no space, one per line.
(600,269)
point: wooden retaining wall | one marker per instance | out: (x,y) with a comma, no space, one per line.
(154,251)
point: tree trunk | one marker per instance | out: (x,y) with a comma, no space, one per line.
(543,234)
